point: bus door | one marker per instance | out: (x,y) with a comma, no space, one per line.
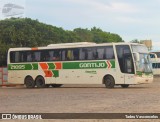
(128,69)
(126,64)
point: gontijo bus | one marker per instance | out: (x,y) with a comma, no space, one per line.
(80,63)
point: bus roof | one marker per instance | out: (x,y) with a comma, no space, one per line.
(71,45)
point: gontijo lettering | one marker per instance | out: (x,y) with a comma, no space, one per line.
(90,65)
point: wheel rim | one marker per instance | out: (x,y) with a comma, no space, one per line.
(109,82)
(40,82)
(29,83)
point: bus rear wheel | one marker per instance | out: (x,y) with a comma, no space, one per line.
(29,82)
(56,85)
(109,82)
(125,85)
(40,82)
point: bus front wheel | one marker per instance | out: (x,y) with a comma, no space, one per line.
(29,82)
(109,82)
(40,82)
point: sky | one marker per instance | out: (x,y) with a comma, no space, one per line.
(131,19)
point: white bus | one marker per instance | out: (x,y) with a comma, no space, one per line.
(80,63)
(155,60)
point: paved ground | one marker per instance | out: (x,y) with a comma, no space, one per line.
(82,99)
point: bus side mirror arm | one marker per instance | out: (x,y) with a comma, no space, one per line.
(136,56)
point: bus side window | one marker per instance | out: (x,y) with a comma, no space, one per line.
(64,55)
(33,58)
(109,53)
(86,54)
(44,55)
(69,54)
(95,54)
(12,57)
(82,54)
(154,65)
(57,55)
(76,54)
(100,53)
(89,54)
(17,57)
(152,56)
(158,54)
(50,55)
(24,56)
(36,56)
(29,57)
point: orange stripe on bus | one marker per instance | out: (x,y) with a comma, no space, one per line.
(44,66)
(34,48)
(48,73)
(58,65)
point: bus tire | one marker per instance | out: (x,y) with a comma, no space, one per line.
(124,85)
(29,82)
(40,82)
(109,81)
(56,85)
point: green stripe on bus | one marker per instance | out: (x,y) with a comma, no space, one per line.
(33,66)
(88,65)
(55,73)
(51,65)
(113,64)
(66,65)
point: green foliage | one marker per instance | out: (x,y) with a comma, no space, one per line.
(25,32)
(135,41)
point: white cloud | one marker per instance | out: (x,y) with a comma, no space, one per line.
(155,43)
(105,6)
(119,7)
(130,19)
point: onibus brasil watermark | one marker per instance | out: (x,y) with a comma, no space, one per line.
(19,116)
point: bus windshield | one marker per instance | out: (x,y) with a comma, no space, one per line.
(143,65)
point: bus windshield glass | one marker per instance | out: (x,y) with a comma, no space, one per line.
(143,65)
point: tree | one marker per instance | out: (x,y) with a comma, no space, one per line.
(135,41)
(25,32)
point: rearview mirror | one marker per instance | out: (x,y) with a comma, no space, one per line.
(136,56)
